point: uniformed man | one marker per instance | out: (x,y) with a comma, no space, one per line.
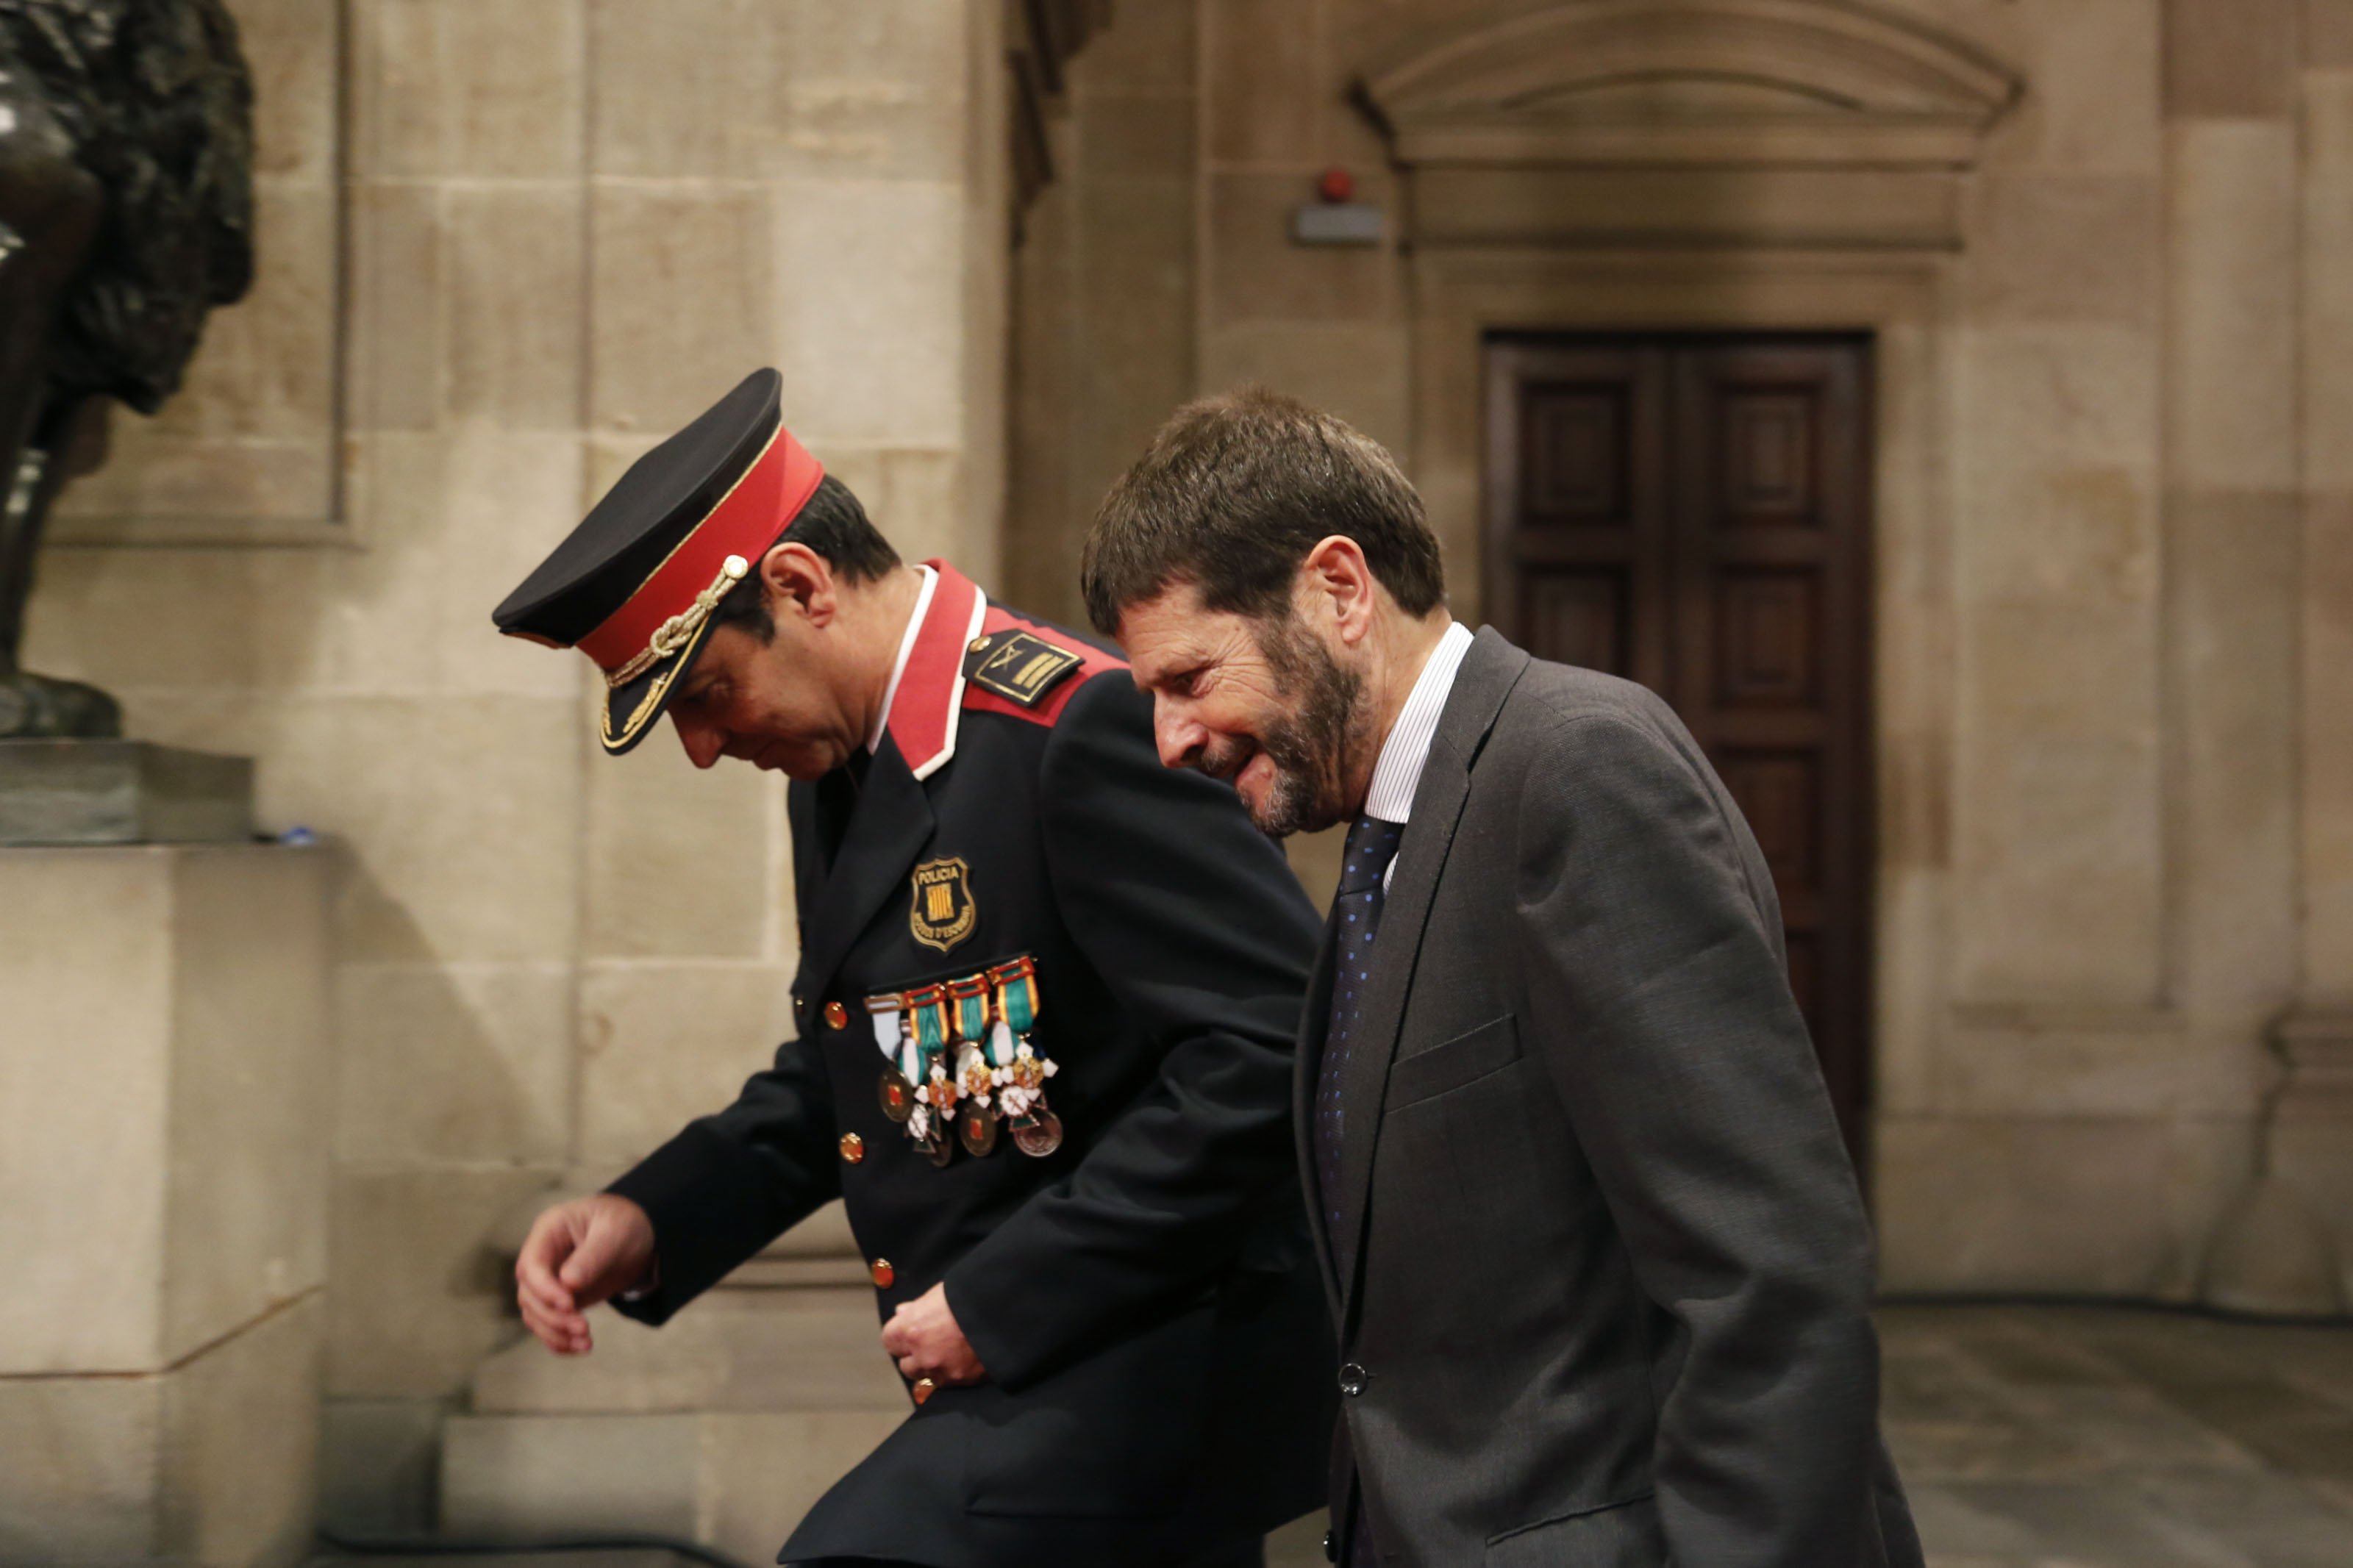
(1044,1015)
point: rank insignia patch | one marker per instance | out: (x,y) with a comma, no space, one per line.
(942,914)
(1017,666)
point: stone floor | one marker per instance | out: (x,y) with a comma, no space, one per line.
(2083,1438)
(2091,1437)
(2097,1437)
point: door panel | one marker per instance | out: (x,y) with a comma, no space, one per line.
(1693,513)
(1577,454)
(1583,612)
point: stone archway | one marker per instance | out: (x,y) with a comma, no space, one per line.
(1747,83)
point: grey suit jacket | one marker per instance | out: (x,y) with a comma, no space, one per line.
(1609,1300)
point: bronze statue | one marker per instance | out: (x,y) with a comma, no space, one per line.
(126,215)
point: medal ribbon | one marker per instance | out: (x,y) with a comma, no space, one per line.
(971,997)
(927,1010)
(1017,993)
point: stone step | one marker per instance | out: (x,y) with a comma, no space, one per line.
(1296,1545)
(634,1557)
(748,1351)
(739,1481)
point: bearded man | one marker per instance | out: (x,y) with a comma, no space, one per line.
(1595,1249)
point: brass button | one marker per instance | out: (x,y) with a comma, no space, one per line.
(837,1017)
(882,1273)
(977,645)
(924,1388)
(853,1147)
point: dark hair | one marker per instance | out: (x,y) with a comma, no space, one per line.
(835,526)
(1232,494)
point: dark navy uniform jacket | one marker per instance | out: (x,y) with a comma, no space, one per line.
(1145,1298)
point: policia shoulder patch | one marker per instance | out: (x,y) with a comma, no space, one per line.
(1018,666)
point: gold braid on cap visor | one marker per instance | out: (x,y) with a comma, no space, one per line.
(674,634)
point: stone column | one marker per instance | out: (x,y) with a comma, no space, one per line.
(2314,1125)
(163,1201)
(2229,564)
(1104,291)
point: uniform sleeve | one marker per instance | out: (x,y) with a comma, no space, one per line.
(732,1183)
(1194,920)
(1687,1071)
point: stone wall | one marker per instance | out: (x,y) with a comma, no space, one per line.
(2116,554)
(570,225)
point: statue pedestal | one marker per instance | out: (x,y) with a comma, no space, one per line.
(121,792)
(164,1108)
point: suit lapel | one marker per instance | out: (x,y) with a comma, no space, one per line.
(1490,668)
(888,827)
(1306,1073)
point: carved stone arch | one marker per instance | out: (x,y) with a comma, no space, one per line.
(1792,83)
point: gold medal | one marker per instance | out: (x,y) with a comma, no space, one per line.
(1037,1130)
(976,1131)
(1039,1136)
(896,1095)
(932,1126)
(976,1124)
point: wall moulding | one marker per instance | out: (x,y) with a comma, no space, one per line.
(1716,83)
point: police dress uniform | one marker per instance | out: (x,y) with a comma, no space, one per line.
(1015,890)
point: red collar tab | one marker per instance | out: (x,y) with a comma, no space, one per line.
(743,526)
(931,689)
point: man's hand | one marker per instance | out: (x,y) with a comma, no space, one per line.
(578,1255)
(923,1336)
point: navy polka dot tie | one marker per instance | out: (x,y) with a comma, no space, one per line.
(1356,914)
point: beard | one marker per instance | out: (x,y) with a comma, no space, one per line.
(1310,747)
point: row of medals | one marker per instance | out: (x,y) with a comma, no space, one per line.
(959,1057)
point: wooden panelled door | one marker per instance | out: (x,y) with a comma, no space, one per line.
(1693,513)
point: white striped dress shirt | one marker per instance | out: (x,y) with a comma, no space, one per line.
(1397,773)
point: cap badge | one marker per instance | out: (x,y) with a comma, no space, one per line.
(942,914)
(673,635)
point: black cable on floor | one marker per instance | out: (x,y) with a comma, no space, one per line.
(2141,1304)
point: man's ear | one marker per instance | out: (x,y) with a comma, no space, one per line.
(799,582)
(1341,587)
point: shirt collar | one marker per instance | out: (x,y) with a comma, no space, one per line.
(1397,771)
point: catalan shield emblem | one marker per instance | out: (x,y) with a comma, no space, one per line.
(944,913)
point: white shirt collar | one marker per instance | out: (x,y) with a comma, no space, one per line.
(906,651)
(1397,771)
